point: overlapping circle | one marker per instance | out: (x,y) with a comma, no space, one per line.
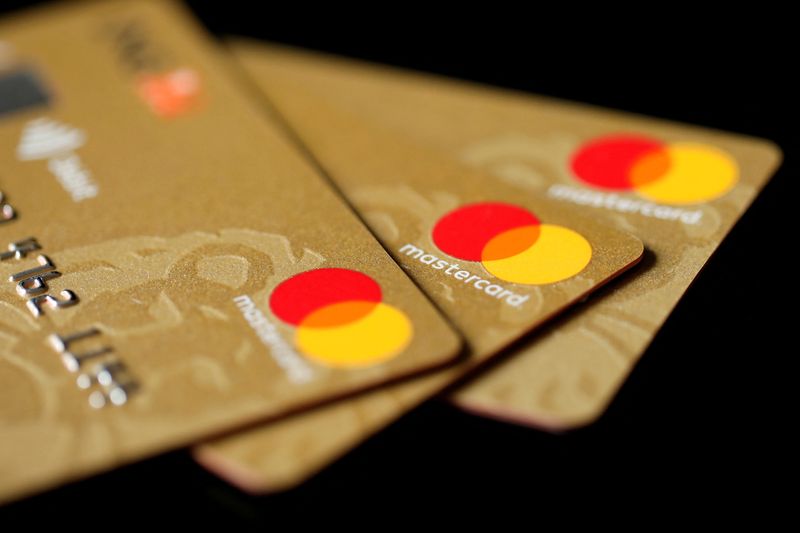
(671,173)
(511,243)
(340,318)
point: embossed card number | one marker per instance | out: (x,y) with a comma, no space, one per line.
(109,381)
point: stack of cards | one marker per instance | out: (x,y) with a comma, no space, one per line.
(271,278)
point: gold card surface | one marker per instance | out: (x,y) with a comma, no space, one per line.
(173,266)
(498,263)
(680,188)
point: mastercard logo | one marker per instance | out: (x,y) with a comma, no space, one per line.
(671,173)
(511,243)
(340,318)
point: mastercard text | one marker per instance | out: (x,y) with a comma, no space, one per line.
(297,370)
(456,272)
(616,202)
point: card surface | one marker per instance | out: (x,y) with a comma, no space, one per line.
(173,266)
(498,263)
(679,188)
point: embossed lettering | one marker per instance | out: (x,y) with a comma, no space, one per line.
(20,249)
(35,304)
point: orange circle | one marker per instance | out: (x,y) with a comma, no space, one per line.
(338,314)
(510,243)
(650,167)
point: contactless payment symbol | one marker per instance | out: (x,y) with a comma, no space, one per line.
(511,243)
(340,318)
(671,173)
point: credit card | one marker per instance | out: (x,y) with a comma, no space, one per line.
(498,263)
(173,266)
(679,188)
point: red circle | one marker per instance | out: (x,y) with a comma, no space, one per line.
(304,293)
(607,161)
(464,232)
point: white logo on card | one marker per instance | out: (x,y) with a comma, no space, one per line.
(47,139)
(44,138)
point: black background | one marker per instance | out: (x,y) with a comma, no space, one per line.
(703,417)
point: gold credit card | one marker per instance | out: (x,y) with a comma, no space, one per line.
(679,188)
(497,262)
(173,266)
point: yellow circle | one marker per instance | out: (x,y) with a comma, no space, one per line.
(377,337)
(696,173)
(558,253)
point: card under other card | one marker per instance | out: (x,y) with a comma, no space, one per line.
(498,263)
